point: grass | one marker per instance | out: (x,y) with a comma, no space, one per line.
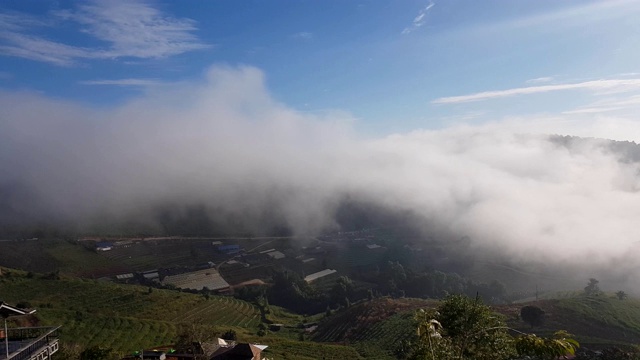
(594,320)
(280,348)
(375,328)
(53,255)
(128,317)
(123,316)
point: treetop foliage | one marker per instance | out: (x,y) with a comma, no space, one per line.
(462,328)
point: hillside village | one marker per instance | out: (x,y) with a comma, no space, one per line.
(350,293)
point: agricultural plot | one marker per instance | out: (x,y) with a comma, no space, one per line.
(52,255)
(364,321)
(141,255)
(124,315)
(280,348)
(120,333)
(374,328)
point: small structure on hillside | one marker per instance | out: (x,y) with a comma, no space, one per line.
(28,343)
(319,274)
(240,351)
(124,276)
(151,274)
(276,255)
(104,246)
(229,249)
(217,350)
(198,280)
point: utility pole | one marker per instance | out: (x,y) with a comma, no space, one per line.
(536,292)
(6,337)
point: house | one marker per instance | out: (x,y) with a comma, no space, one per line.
(104,246)
(217,350)
(198,280)
(276,255)
(241,351)
(26,343)
(229,249)
(124,276)
(151,274)
(319,274)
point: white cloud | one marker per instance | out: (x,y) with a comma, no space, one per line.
(129,29)
(123,82)
(419,20)
(609,86)
(135,29)
(223,141)
(540,80)
(579,14)
(620,103)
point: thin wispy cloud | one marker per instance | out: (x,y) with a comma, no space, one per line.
(540,80)
(609,105)
(609,86)
(122,82)
(419,20)
(303,35)
(128,28)
(581,13)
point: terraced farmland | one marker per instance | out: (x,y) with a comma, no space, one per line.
(364,321)
(124,316)
(53,255)
(374,328)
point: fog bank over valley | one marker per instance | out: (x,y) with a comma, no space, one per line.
(222,153)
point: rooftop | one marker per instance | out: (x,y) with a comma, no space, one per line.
(197,280)
(319,274)
(30,343)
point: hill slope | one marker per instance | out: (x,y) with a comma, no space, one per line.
(595,320)
(128,317)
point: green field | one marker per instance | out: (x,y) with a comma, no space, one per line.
(374,328)
(594,320)
(128,317)
(56,255)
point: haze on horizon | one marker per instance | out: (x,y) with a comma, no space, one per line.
(113,122)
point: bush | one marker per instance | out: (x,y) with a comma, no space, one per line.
(532,315)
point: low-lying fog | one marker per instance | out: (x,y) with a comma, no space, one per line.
(225,145)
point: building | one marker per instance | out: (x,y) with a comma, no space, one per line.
(104,246)
(198,280)
(229,249)
(319,274)
(217,350)
(239,352)
(276,255)
(26,343)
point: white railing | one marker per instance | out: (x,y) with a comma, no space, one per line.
(37,343)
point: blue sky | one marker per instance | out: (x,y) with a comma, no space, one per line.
(395,66)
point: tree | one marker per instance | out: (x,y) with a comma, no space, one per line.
(341,291)
(464,329)
(547,349)
(192,335)
(532,315)
(621,295)
(98,353)
(592,289)
(230,335)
